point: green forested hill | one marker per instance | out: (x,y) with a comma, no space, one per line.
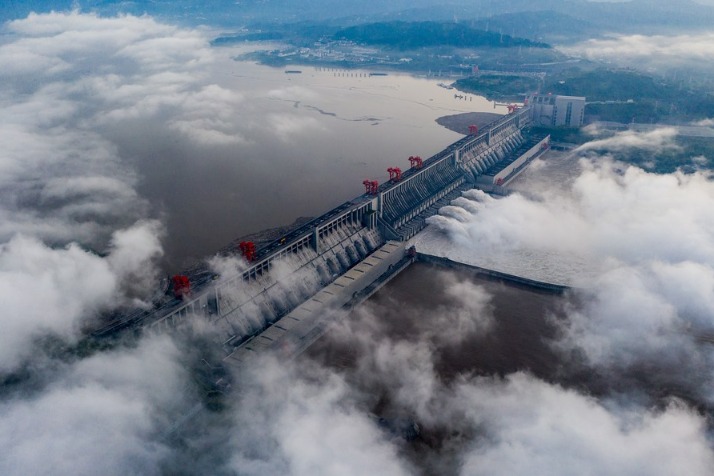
(413,35)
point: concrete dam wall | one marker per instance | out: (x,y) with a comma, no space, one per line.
(335,257)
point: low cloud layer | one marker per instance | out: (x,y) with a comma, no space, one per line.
(59,291)
(302,418)
(102,414)
(304,422)
(656,51)
(75,90)
(81,96)
(647,248)
(536,428)
(610,211)
(383,362)
(658,140)
(77,240)
(699,46)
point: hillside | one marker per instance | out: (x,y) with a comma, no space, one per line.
(414,35)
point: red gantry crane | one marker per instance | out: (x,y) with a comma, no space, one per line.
(181,286)
(416,162)
(371,187)
(395,174)
(247,249)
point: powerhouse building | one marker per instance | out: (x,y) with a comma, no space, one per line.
(555,110)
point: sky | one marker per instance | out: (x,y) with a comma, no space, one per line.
(77,238)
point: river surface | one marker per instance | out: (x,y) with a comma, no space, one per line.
(307,142)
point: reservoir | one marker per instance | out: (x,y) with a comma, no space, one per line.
(305,144)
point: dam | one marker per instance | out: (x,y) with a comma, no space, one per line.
(287,290)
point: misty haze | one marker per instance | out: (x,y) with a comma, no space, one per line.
(327,237)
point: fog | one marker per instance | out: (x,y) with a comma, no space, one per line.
(634,324)
(102,414)
(644,290)
(69,79)
(682,56)
(308,418)
(79,240)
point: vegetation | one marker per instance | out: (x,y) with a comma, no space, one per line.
(255,36)
(613,95)
(629,96)
(298,34)
(569,135)
(691,154)
(499,87)
(414,35)
(606,84)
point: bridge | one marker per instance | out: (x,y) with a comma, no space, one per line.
(282,297)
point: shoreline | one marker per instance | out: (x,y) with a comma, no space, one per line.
(460,123)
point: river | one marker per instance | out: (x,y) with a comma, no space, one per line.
(308,141)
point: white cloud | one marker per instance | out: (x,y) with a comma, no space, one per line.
(644,262)
(47,290)
(481,425)
(609,211)
(71,83)
(532,427)
(654,49)
(132,253)
(656,140)
(305,424)
(57,291)
(623,303)
(104,413)
(705,123)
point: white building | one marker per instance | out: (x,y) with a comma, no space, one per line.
(553,110)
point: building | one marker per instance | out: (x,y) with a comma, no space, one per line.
(553,110)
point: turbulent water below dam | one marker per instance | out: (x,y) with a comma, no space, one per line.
(522,322)
(420,311)
(410,310)
(448,328)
